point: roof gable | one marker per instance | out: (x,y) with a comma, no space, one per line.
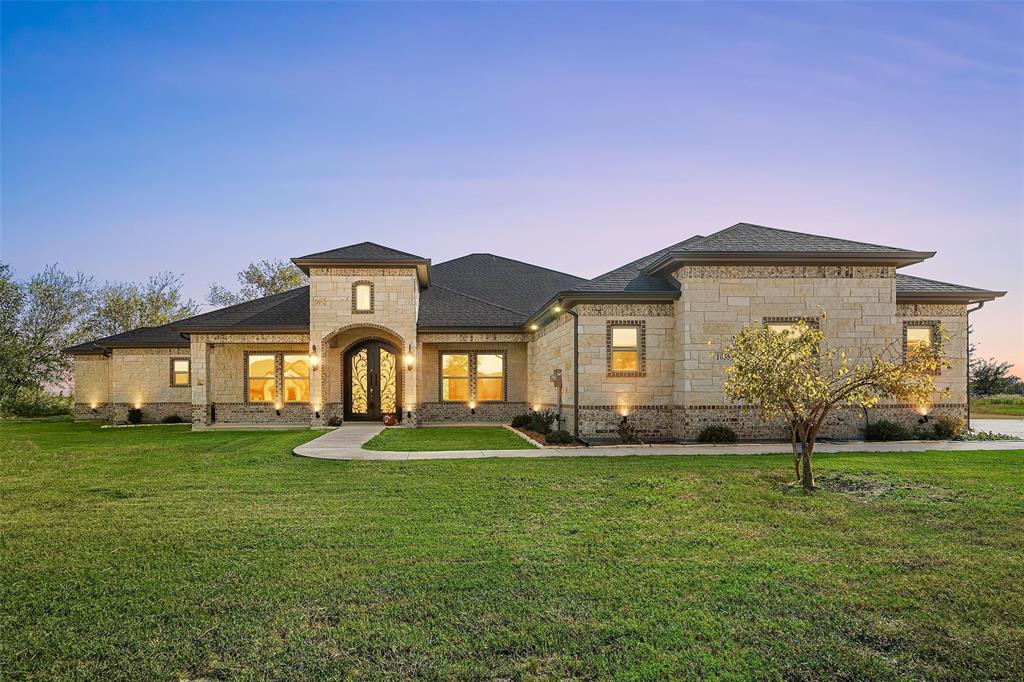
(362,251)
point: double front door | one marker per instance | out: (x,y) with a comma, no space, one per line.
(372,382)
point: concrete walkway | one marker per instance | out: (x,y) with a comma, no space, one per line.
(346,443)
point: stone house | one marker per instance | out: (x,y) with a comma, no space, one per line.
(481,338)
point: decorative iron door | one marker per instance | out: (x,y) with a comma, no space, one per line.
(372,382)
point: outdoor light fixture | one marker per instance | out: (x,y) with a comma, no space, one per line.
(314,359)
(94,408)
(138,405)
(923,420)
(534,327)
(557,309)
(409,358)
(472,407)
(277,408)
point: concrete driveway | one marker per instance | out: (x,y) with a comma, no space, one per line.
(1011,427)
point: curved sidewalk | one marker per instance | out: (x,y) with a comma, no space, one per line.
(346,443)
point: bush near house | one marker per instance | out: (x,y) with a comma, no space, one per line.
(886,430)
(134,416)
(717,434)
(948,427)
(559,437)
(37,404)
(173,419)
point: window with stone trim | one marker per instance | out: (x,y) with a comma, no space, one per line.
(362,297)
(181,372)
(919,334)
(626,348)
(466,376)
(295,374)
(261,377)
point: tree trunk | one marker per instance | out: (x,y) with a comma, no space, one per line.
(807,479)
(796,455)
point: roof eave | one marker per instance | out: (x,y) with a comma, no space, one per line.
(422,265)
(455,329)
(568,298)
(963,297)
(897,258)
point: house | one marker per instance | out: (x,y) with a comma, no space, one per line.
(482,338)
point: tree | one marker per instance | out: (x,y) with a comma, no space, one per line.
(121,306)
(797,376)
(40,318)
(990,377)
(259,279)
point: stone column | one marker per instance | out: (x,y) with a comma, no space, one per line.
(200,353)
(317,378)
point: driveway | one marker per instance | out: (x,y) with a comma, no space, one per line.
(1011,427)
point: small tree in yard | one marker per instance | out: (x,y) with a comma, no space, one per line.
(795,375)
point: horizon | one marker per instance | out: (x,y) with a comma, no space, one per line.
(199,138)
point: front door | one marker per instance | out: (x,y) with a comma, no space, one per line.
(371,377)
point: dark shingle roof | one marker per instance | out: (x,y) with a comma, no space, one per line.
(163,336)
(484,290)
(362,251)
(750,237)
(909,286)
(632,278)
(289,309)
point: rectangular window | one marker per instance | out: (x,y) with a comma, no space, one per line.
(490,377)
(919,337)
(296,378)
(262,379)
(364,297)
(455,377)
(180,371)
(625,349)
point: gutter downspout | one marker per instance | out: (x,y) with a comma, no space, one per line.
(575,372)
(969,311)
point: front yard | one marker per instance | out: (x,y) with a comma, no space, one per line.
(157,553)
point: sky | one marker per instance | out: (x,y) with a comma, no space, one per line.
(197,138)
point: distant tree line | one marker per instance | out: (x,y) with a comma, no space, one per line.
(53,310)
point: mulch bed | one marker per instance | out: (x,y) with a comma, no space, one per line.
(539,437)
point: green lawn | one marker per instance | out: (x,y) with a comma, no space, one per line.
(157,553)
(998,406)
(447,438)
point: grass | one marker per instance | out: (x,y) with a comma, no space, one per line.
(999,406)
(164,554)
(447,438)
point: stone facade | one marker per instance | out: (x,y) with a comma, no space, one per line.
(674,394)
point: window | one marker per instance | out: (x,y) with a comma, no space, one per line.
(455,377)
(180,371)
(919,337)
(624,349)
(362,297)
(788,325)
(490,377)
(262,379)
(296,378)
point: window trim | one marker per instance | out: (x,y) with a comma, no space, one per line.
(355,309)
(188,380)
(279,396)
(641,347)
(473,377)
(474,373)
(441,375)
(931,325)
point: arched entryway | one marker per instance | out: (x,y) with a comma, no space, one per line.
(372,381)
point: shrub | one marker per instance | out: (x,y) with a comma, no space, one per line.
(627,433)
(948,427)
(883,429)
(173,419)
(134,416)
(559,437)
(334,421)
(521,421)
(541,422)
(987,435)
(717,434)
(32,404)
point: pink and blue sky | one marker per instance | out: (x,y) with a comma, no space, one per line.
(199,137)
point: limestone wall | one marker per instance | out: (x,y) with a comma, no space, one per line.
(550,348)
(432,409)
(142,377)
(91,387)
(395,310)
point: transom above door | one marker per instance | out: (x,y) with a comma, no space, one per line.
(372,382)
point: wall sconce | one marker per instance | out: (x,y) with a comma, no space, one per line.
(409,358)
(314,359)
